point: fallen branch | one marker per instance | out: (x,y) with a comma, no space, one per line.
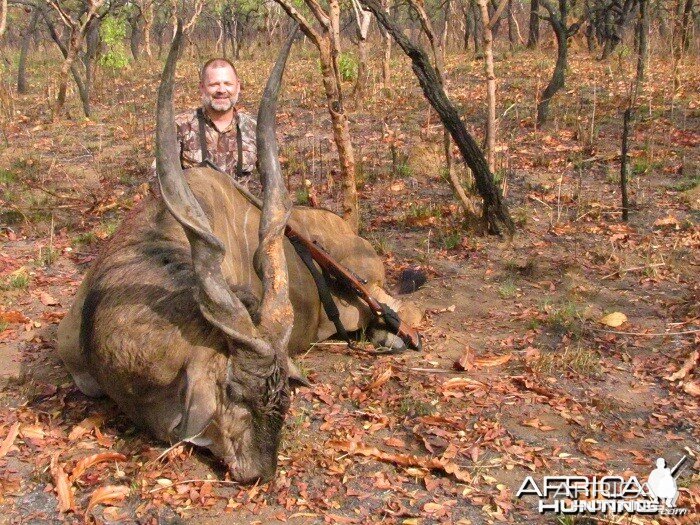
(652,334)
(634,269)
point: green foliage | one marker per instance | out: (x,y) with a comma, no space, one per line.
(347,66)
(16,280)
(84,239)
(302,197)
(687,183)
(452,240)
(7,176)
(113,33)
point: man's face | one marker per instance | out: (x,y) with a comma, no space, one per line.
(219,88)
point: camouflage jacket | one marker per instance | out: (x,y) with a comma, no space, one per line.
(221,145)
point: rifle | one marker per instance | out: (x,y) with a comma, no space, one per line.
(342,275)
(346,277)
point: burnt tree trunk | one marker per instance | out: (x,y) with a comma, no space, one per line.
(495,211)
(533,37)
(24,51)
(467,28)
(558,23)
(642,44)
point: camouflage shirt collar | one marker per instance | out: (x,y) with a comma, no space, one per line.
(227,129)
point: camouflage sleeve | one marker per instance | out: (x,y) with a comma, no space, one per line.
(248,126)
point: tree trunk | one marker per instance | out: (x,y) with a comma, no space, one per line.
(386,58)
(558,23)
(24,51)
(362,20)
(445,32)
(467,28)
(511,26)
(495,211)
(84,98)
(341,134)
(686,25)
(3,17)
(147,13)
(136,36)
(533,37)
(476,35)
(490,86)
(92,41)
(72,52)
(623,162)
(643,45)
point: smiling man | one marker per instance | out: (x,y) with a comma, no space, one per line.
(218,131)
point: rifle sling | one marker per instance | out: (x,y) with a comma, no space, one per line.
(202,135)
(324,292)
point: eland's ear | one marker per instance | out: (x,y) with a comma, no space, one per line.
(296,380)
(199,404)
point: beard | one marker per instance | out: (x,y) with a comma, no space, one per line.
(218,104)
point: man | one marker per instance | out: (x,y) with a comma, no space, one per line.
(218,131)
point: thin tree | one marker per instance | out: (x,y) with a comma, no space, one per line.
(24,51)
(558,20)
(77,26)
(533,36)
(386,57)
(495,212)
(362,20)
(438,57)
(3,17)
(488,23)
(147,13)
(326,38)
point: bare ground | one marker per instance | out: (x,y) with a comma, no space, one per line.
(518,376)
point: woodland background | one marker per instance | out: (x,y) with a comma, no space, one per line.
(570,346)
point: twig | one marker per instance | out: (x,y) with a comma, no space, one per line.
(655,265)
(173,447)
(218,481)
(657,334)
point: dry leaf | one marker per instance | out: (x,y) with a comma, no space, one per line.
(32,432)
(47,300)
(381,379)
(493,361)
(614,319)
(85,426)
(461,382)
(691,387)
(13,316)
(108,495)
(9,440)
(62,486)
(395,442)
(687,366)
(89,461)
(431,507)
(466,360)
(669,220)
